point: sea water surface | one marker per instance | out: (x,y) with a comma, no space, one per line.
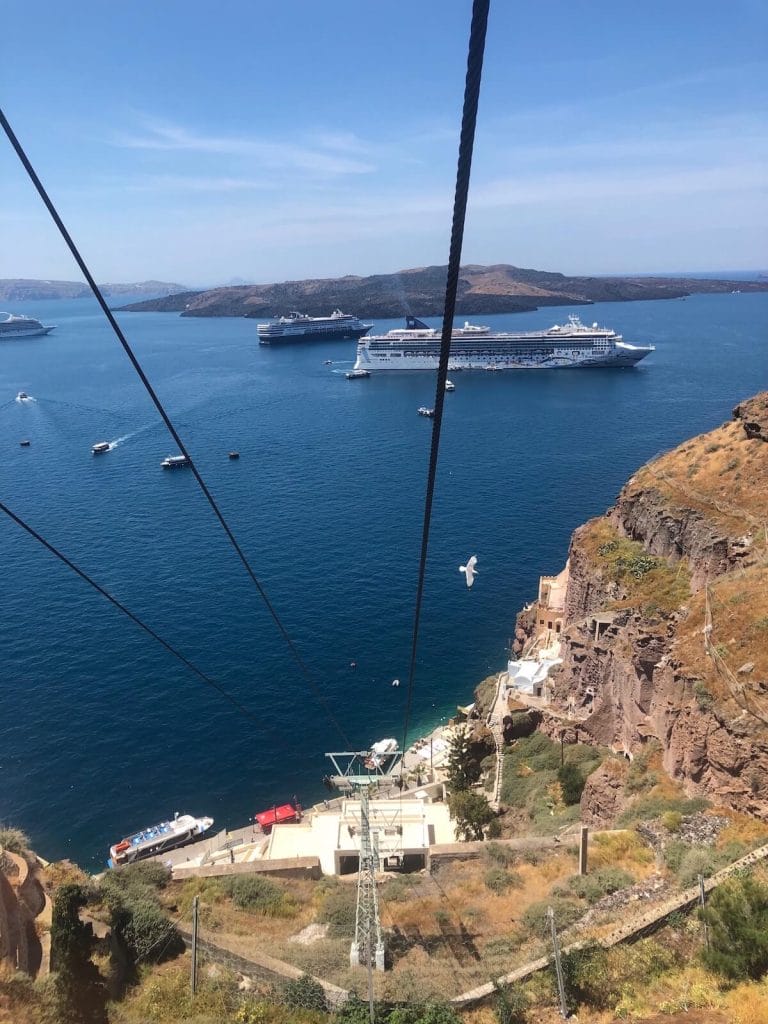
(103,732)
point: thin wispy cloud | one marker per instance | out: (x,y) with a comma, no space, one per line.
(325,159)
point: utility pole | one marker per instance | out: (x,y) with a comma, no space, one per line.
(558,965)
(193,978)
(702,904)
(583,850)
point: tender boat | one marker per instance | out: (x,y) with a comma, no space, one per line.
(450,386)
(379,752)
(25,443)
(424,411)
(175,462)
(157,839)
(100,447)
(357,374)
(23,397)
(234,455)
(14,326)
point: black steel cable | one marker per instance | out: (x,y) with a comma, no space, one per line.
(165,417)
(126,611)
(468,122)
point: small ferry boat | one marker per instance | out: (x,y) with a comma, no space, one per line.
(424,411)
(175,462)
(23,397)
(450,386)
(357,374)
(234,455)
(285,814)
(168,835)
(379,752)
(25,443)
(100,447)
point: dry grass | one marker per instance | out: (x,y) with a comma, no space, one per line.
(624,850)
(722,474)
(645,582)
(739,608)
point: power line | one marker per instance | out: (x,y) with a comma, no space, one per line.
(466,144)
(165,417)
(126,611)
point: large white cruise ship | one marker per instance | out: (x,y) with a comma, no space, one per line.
(300,327)
(477,348)
(13,326)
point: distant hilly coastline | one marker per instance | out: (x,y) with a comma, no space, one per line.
(24,289)
(482,290)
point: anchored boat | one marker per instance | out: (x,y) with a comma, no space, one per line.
(150,842)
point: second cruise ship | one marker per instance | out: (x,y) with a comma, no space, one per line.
(574,344)
(300,327)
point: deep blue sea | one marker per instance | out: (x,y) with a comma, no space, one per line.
(102,732)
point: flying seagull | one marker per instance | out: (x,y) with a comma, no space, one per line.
(469,570)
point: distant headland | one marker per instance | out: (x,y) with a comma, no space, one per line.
(25,289)
(500,288)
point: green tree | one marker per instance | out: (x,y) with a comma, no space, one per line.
(461,768)
(511,1004)
(737,918)
(305,993)
(472,813)
(79,997)
(572,783)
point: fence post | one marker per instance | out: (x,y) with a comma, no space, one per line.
(193,978)
(558,965)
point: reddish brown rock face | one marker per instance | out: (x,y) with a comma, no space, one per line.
(690,526)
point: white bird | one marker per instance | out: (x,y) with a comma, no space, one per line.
(395,682)
(469,570)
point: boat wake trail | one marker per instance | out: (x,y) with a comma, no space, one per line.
(118,441)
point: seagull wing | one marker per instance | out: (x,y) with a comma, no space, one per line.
(472,562)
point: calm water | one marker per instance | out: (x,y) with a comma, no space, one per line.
(101,731)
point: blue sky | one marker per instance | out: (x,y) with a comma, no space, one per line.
(203,142)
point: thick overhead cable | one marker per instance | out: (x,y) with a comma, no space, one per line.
(165,417)
(126,611)
(468,121)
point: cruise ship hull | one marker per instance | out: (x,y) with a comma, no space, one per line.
(332,334)
(570,346)
(28,332)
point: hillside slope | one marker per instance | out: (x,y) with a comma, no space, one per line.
(680,565)
(495,289)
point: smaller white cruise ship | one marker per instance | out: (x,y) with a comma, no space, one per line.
(300,327)
(571,345)
(13,326)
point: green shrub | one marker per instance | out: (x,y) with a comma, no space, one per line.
(255,893)
(651,806)
(699,860)
(672,820)
(535,919)
(14,840)
(600,883)
(494,829)
(338,912)
(498,854)
(704,698)
(426,1013)
(572,783)
(148,934)
(511,1004)
(304,993)
(498,880)
(737,921)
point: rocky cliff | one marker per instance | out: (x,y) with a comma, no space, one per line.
(666,619)
(482,290)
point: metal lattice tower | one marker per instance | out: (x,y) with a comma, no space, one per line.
(359,772)
(367,949)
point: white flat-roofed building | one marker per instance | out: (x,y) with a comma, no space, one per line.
(402,831)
